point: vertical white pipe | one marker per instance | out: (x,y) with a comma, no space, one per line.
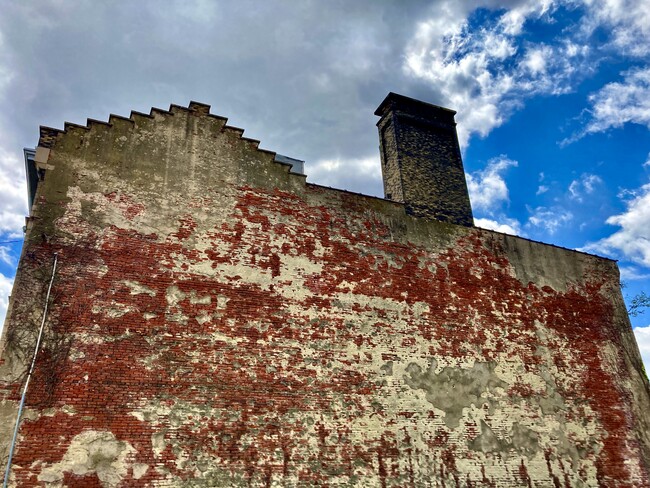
(29,374)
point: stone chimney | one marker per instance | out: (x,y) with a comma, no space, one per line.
(421,162)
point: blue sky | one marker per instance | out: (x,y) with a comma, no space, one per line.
(553,98)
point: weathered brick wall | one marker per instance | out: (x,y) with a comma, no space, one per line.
(216,321)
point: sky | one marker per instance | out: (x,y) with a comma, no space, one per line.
(552,98)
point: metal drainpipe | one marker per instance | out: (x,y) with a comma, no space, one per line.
(29,375)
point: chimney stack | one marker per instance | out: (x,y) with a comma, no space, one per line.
(421,162)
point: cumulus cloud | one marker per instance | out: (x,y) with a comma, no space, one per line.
(622,102)
(627,21)
(487,187)
(506,225)
(488,193)
(486,73)
(489,71)
(13,195)
(622,28)
(535,60)
(513,20)
(360,175)
(632,240)
(550,219)
(585,185)
(642,335)
(6,256)
(5,289)
(631,273)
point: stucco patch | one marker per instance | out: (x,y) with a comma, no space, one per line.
(92,452)
(453,389)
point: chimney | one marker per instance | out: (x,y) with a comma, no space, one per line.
(421,162)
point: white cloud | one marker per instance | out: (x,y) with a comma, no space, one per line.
(585,185)
(5,290)
(487,188)
(13,194)
(535,59)
(507,226)
(621,102)
(642,335)
(6,256)
(573,50)
(458,63)
(361,175)
(627,21)
(512,21)
(485,73)
(631,273)
(541,189)
(632,241)
(550,219)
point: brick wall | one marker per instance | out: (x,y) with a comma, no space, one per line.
(217,321)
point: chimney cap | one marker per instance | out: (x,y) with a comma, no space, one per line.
(407,104)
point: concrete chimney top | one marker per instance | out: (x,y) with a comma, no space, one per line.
(397,102)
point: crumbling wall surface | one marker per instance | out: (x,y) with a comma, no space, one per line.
(230,325)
